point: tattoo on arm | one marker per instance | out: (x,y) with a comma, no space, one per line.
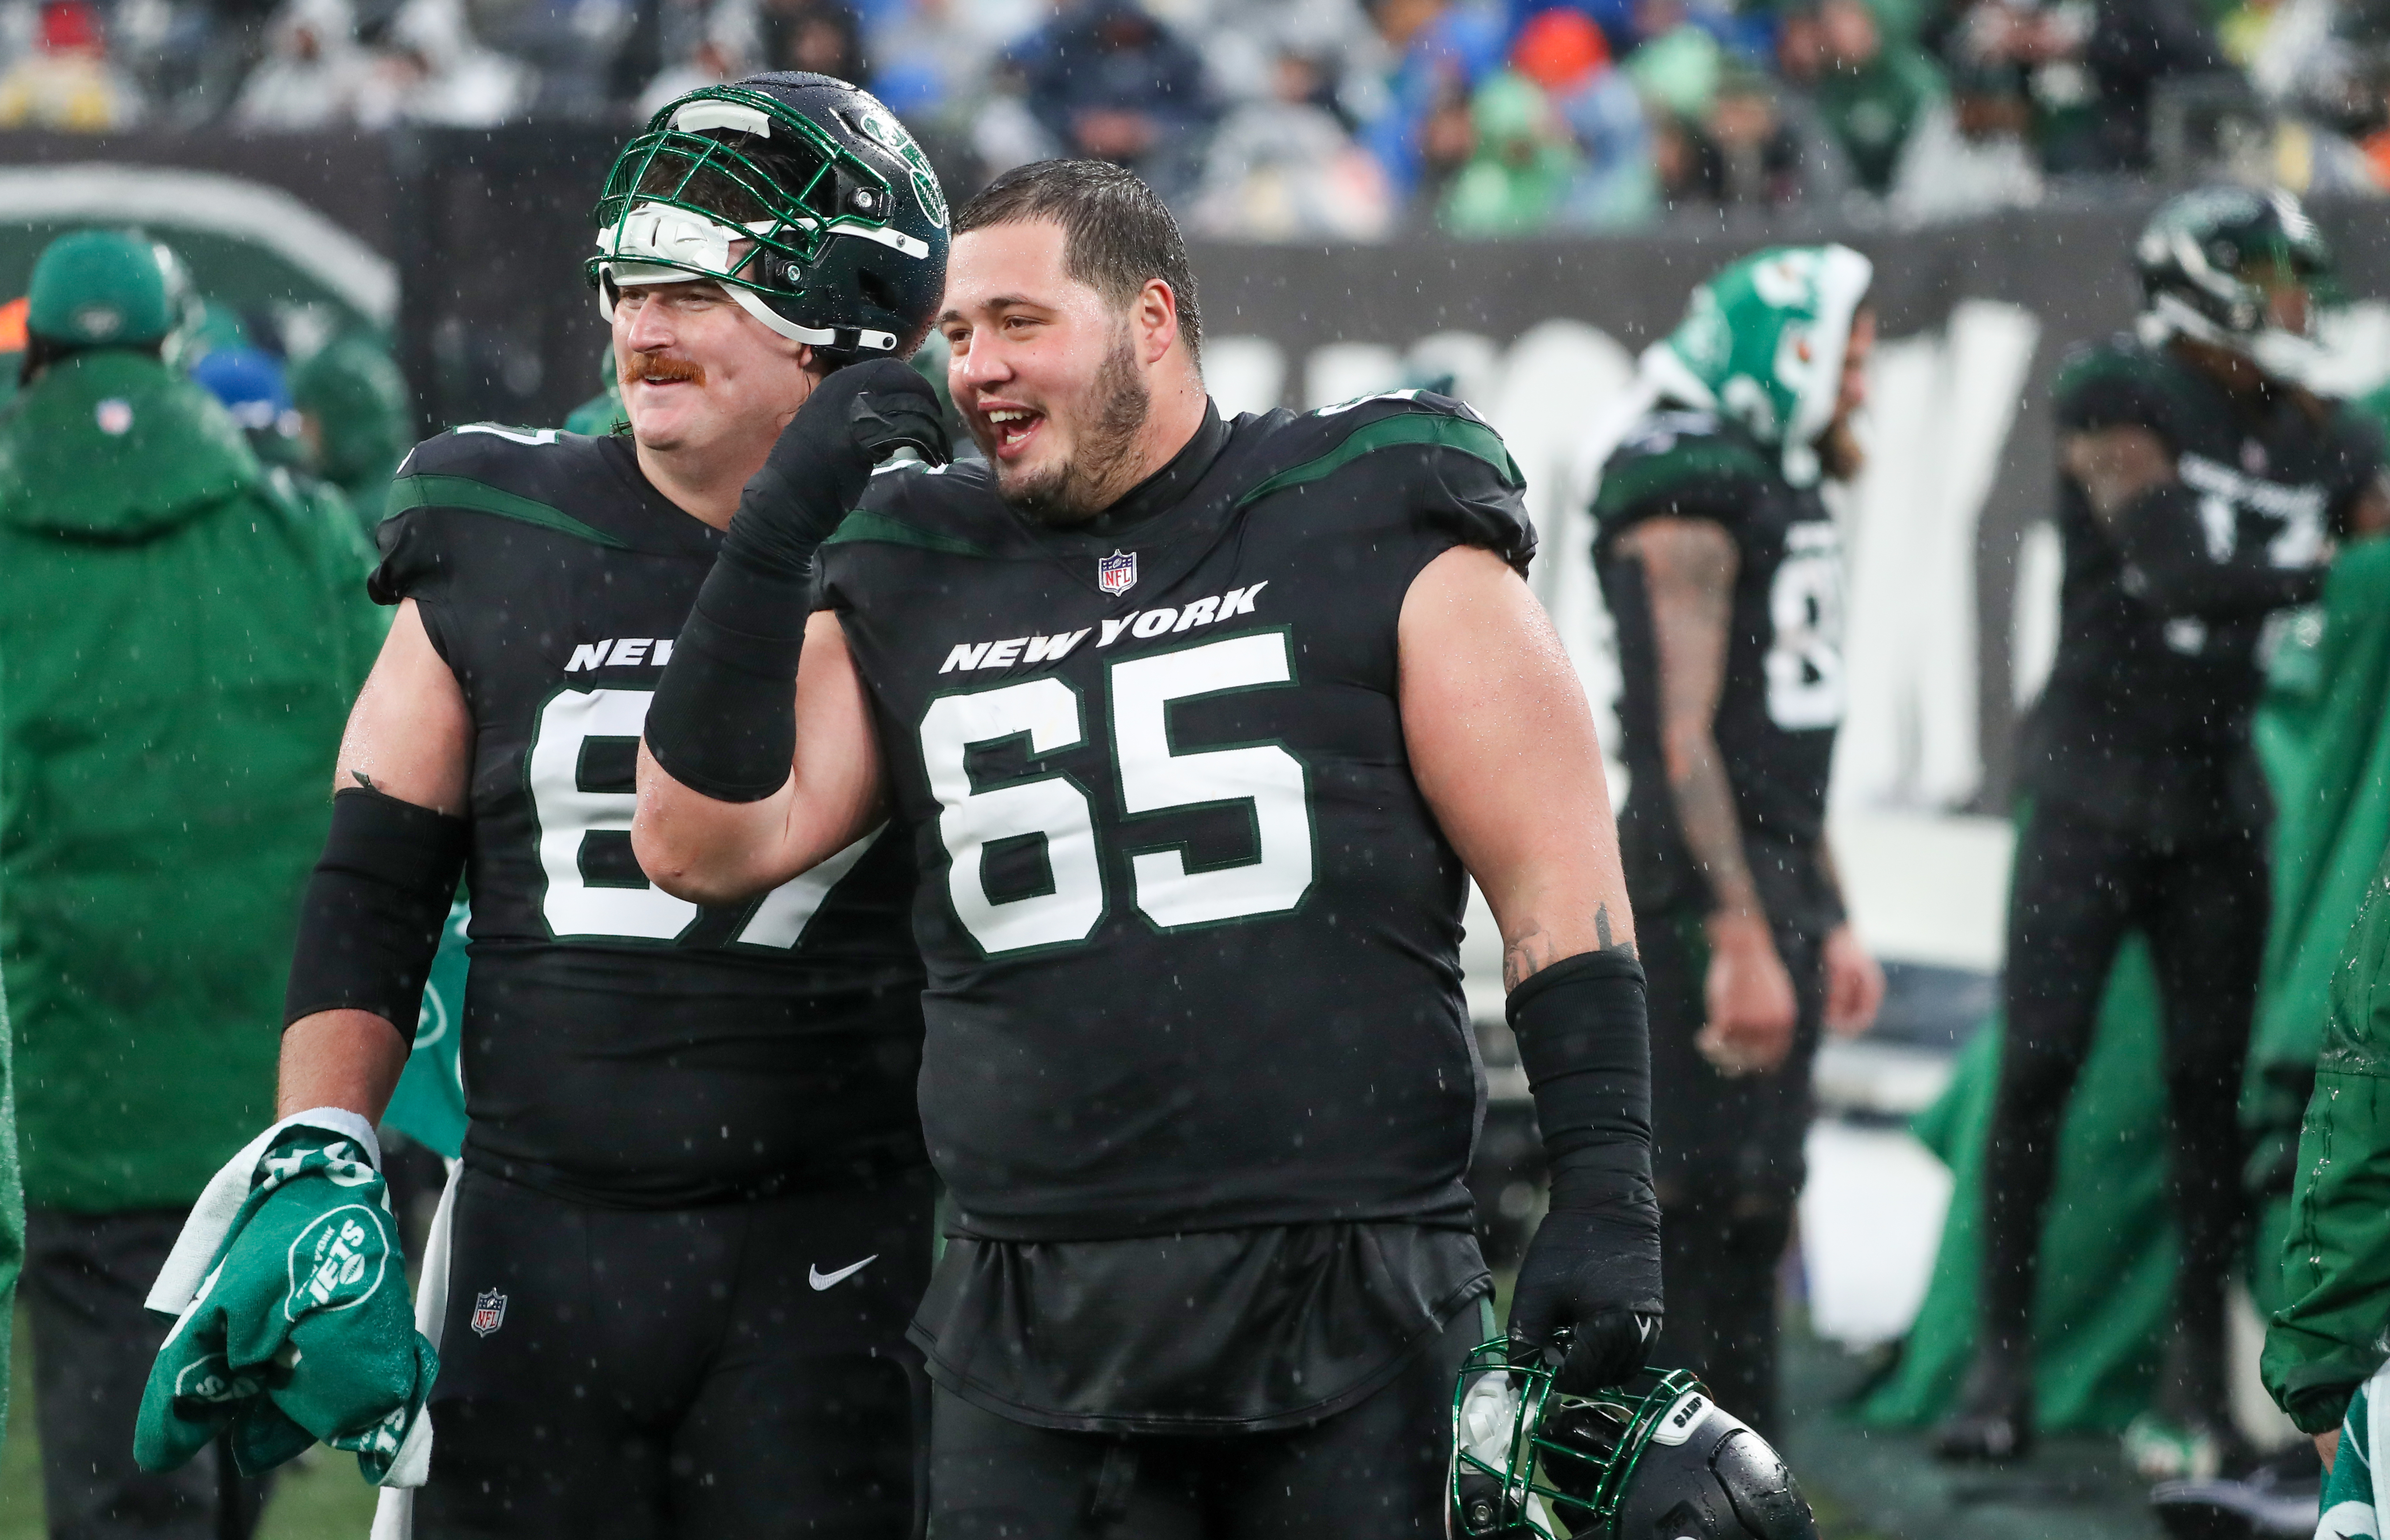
(2113,466)
(1689,572)
(1534,950)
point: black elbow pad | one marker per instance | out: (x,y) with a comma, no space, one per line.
(370,921)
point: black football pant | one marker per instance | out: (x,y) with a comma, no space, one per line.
(85,1276)
(696,1374)
(1727,1150)
(1376,1470)
(2080,888)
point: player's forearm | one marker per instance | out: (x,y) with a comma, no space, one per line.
(700,848)
(1711,824)
(346,1059)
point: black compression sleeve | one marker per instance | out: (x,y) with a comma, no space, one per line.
(371,919)
(724,720)
(2164,536)
(1586,1047)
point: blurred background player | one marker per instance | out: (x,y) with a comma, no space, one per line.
(1722,570)
(180,639)
(354,418)
(694,1213)
(2201,489)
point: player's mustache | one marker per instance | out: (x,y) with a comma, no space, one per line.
(662,365)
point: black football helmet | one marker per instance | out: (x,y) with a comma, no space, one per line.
(1654,1460)
(800,194)
(2199,260)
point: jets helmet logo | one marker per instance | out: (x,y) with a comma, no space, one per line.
(489,1312)
(1116,573)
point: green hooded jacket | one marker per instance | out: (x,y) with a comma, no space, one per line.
(180,639)
(2328,1339)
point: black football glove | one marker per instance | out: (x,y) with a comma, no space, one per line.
(1587,1288)
(817,470)
(724,718)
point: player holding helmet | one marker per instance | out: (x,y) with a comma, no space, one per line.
(693,1215)
(1210,719)
(2201,486)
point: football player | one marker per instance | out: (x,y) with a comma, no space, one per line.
(2201,487)
(1213,718)
(1723,572)
(693,1215)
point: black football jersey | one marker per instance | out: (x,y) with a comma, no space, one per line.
(1192,932)
(2145,718)
(1783,693)
(622,1046)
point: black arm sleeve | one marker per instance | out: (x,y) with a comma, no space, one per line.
(724,720)
(371,919)
(1585,1045)
(2161,535)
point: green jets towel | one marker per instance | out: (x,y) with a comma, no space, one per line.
(2348,1510)
(301,1329)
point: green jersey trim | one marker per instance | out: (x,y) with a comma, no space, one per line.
(463,491)
(1413,428)
(871,525)
(1635,481)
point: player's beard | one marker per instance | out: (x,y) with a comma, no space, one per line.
(1088,483)
(1839,455)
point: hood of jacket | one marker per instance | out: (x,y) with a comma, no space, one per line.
(116,445)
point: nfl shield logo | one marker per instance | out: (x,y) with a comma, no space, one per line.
(1116,573)
(489,1312)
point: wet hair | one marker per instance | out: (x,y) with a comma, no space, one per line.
(1117,233)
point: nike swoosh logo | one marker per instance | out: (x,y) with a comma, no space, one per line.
(821,1280)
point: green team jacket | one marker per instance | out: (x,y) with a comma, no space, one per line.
(2328,1340)
(180,637)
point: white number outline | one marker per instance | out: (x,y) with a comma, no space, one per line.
(1810,570)
(559,839)
(1143,856)
(788,910)
(969,867)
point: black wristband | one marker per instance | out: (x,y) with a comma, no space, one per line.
(724,720)
(370,921)
(1585,1045)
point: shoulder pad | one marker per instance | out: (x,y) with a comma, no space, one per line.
(531,475)
(1683,463)
(1321,442)
(2356,430)
(922,506)
(1470,490)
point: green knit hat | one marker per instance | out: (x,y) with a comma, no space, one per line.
(358,398)
(107,288)
(1763,342)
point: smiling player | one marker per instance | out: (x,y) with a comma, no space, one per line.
(1207,724)
(693,1215)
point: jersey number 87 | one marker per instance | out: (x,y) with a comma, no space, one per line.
(571,814)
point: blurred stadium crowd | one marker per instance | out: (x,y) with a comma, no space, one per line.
(1335,120)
